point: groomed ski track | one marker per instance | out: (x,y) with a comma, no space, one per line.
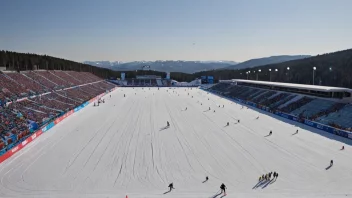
(123,148)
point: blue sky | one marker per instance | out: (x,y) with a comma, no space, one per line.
(127,30)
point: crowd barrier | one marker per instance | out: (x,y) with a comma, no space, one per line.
(326,128)
(4,155)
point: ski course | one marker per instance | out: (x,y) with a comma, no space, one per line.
(124,147)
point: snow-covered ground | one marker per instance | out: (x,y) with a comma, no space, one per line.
(123,148)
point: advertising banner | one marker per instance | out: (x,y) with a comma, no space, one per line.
(15,149)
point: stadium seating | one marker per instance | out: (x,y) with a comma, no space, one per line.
(282,100)
(297,104)
(340,118)
(274,99)
(220,87)
(10,88)
(324,111)
(54,78)
(71,80)
(44,96)
(264,97)
(32,111)
(41,80)
(27,82)
(312,108)
(54,101)
(256,93)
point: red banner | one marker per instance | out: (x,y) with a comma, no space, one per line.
(17,148)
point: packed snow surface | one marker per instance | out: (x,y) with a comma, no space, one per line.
(124,148)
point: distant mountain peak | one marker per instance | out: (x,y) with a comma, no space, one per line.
(266,61)
(164,65)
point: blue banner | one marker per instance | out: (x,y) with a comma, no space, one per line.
(2,151)
(47,127)
(14,138)
(10,146)
(81,106)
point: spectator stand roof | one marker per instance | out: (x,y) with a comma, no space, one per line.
(295,86)
(148,77)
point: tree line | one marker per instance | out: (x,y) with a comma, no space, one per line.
(14,61)
(332,69)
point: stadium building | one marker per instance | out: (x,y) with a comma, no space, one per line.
(73,134)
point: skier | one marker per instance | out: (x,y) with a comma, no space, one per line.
(223,188)
(186,108)
(257,118)
(124,95)
(223,106)
(94,103)
(331,162)
(110,96)
(270,133)
(228,124)
(343,148)
(209,108)
(239,121)
(214,111)
(206,179)
(167,122)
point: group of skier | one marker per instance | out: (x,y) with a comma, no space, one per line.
(100,101)
(267,176)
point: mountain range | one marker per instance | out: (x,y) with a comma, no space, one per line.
(266,61)
(163,65)
(191,66)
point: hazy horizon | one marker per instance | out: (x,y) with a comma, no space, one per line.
(199,30)
(196,60)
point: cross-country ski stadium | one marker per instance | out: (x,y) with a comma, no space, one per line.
(122,148)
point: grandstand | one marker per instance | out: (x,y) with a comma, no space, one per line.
(41,96)
(143,81)
(326,105)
